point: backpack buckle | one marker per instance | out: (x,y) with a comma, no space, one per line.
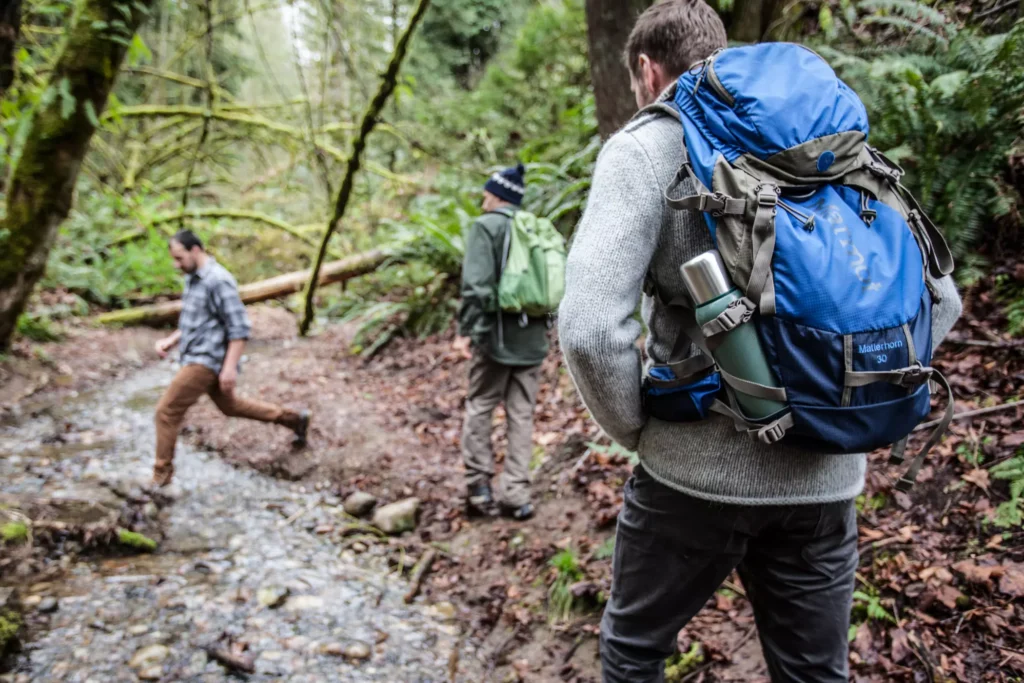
(915,376)
(767,196)
(713,203)
(738,317)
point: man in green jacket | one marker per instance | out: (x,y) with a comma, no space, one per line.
(507,352)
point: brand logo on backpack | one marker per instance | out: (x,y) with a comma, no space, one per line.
(858,264)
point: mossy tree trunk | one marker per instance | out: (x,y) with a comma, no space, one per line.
(42,182)
(369,121)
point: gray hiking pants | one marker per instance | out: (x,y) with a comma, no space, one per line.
(673,551)
(490,383)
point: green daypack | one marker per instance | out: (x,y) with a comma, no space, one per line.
(533,266)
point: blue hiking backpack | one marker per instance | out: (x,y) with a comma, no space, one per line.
(828,246)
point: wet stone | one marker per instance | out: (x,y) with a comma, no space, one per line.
(397,517)
(272,596)
(357,652)
(305,602)
(149,657)
(360,503)
(152,673)
(47,606)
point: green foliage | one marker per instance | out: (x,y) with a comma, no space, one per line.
(136,541)
(682,663)
(14,532)
(10,625)
(463,35)
(38,327)
(1009,514)
(567,572)
(614,450)
(1011,295)
(605,550)
(86,259)
(867,606)
(949,112)
(873,503)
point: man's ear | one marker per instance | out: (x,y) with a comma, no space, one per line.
(653,76)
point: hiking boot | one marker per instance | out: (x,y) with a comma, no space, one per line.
(519,513)
(480,501)
(301,429)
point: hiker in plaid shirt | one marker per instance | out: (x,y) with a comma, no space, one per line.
(212,330)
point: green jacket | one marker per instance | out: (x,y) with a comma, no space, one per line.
(509,343)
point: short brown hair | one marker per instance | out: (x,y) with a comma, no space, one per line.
(676,34)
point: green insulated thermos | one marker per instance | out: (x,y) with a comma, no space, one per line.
(740,352)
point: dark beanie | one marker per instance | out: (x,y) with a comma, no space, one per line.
(508,184)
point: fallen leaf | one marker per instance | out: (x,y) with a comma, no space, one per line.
(978,477)
(1012,583)
(949,596)
(1013,440)
(940,574)
(901,649)
(975,573)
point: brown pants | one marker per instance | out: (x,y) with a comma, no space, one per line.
(491,383)
(187,387)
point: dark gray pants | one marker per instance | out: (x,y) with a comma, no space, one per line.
(673,551)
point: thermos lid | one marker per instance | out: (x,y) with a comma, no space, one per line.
(705,277)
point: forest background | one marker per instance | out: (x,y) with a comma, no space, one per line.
(239,119)
(235,118)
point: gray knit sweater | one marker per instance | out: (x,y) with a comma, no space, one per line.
(627,230)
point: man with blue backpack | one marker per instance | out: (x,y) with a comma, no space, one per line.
(793,292)
(512,280)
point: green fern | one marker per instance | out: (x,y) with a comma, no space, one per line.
(1009,513)
(950,114)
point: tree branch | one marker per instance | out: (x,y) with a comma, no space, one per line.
(373,111)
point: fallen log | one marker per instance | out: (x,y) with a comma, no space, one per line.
(274,288)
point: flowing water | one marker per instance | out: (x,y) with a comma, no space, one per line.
(234,540)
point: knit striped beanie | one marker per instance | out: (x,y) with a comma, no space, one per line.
(508,184)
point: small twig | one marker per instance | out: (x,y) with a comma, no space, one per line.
(301,513)
(419,573)
(973,413)
(996,10)
(1013,344)
(735,588)
(453,661)
(242,663)
(500,650)
(572,650)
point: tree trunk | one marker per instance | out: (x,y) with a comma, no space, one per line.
(751,19)
(10,30)
(274,288)
(373,111)
(608,25)
(43,182)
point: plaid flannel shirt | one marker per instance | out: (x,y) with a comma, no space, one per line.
(212,314)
